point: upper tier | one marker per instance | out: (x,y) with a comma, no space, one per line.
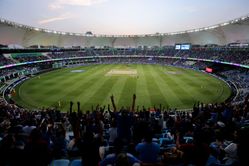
(236,30)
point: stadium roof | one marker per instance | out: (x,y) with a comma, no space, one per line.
(234,21)
(121,17)
(236,30)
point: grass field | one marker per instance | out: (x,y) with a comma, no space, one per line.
(153,84)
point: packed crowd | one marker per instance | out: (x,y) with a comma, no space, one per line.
(30,58)
(225,54)
(240,78)
(4,61)
(228,55)
(208,135)
(68,54)
(19,70)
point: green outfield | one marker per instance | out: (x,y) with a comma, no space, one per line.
(91,85)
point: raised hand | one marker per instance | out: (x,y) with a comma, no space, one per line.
(133,102)
(134,97)
(112,97)
(113,103)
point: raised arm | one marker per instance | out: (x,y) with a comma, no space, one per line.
(133,103)
(108,108)
(113,104)
(78,106)
(71,107)
(74,121)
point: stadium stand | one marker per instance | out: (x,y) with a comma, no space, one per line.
(28,57)
(208,134)
(216,131)
(4,61)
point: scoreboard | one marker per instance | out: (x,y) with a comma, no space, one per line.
(185,46)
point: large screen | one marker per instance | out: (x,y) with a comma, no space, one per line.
(183,46)
(178,47)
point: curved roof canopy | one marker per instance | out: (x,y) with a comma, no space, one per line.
(236,30)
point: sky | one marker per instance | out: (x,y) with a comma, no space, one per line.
(122,17)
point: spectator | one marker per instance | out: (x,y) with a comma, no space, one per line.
(37,152)
(119,157)
(89,149)
(112,132)
(148,151)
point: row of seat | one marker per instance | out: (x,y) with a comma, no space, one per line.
(66,162)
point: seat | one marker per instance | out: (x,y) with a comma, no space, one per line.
(60,162)
(165,141)
(76,162)
(188,140)
(155,140)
